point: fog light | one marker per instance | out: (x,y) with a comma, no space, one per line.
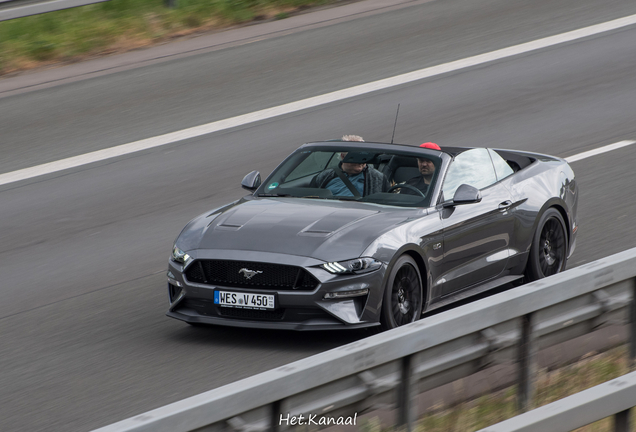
(346,294)
(172,280)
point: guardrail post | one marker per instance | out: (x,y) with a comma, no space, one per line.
(632,329)
(405,398)
(621,421)
(276,414)
(526,359)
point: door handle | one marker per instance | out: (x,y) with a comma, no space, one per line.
(504,205)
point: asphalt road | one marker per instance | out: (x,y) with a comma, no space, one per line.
(83,338)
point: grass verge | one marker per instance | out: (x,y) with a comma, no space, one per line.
(551,386)
(115,26)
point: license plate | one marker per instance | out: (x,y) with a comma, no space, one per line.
(245,301)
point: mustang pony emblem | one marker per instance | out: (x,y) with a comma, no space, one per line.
(249,274)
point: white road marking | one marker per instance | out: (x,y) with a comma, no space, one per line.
(598,151)
(315,101)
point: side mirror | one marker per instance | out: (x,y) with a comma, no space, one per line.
(466,194)
(252,181)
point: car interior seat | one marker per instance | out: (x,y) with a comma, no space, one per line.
(401,168)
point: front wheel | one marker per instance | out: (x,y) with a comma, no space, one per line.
(548,253)
(403,294)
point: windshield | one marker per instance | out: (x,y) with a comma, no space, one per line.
(400,179)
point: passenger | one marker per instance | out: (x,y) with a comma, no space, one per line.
(364,179)
(427,170)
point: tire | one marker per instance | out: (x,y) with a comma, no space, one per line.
(403,294)
(548,253)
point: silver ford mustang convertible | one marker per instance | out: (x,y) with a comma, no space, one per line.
(353,234)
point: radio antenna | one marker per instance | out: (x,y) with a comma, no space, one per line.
(396,117)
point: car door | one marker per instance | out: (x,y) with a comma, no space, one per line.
(476,235)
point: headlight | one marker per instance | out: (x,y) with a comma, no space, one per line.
(180,256)
(354,266)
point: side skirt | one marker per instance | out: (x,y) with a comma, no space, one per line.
(469,292)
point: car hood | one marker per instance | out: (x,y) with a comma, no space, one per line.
(325,230)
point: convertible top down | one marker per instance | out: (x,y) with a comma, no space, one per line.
(352,234)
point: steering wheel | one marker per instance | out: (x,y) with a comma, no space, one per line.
(408,186)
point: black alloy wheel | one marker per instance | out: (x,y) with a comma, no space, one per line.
(403,295)
(548,254)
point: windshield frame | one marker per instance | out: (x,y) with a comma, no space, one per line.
(287,166)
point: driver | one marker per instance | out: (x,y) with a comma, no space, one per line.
(365,179)
(426,168)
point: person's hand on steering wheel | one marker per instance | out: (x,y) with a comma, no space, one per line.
(407,186)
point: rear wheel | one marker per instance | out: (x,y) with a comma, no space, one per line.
(403,295)
(548,253)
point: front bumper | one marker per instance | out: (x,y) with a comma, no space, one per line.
(295,309)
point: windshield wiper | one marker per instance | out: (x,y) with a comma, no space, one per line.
(273,195)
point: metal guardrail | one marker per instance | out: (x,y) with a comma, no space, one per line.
(612,398)
(11,9)
(395,365)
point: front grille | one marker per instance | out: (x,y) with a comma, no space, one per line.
(267,276)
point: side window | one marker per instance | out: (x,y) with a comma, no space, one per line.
(473,167)
(502,169)
(314,163)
